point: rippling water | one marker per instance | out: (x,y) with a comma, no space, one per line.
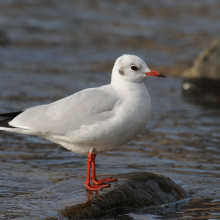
(195,209)
(56,50)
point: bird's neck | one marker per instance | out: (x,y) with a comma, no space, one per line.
(124,87)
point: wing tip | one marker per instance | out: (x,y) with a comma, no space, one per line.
(7,117)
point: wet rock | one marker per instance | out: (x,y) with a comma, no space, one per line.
(69,199)
(202,82)
(4,40)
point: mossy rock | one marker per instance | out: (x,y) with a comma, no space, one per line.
(201,82)
(207,64)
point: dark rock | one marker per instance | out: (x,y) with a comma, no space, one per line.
(202,82)
(4,40)
(71,200)
(202,91)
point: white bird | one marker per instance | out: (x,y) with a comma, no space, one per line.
(92,120)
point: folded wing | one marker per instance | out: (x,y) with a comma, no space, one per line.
(83,108)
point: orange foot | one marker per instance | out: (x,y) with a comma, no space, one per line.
(96,187)
(106,180)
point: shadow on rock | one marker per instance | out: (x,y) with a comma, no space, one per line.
(203,91)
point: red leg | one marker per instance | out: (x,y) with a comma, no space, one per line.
(87,182)
(94,179)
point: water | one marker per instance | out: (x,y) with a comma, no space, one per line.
(59,48)
(195,209)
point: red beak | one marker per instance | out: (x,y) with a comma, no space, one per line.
(155,73)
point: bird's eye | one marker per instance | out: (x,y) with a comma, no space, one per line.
(133,67)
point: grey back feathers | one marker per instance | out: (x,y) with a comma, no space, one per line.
(68,114)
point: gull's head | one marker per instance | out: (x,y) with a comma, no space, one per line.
(133,69)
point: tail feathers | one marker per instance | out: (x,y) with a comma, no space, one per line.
(7,117)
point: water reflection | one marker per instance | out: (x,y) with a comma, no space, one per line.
(91,195)
(195,209)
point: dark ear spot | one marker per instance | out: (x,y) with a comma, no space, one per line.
(121,71)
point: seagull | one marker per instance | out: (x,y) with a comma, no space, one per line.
(93,120)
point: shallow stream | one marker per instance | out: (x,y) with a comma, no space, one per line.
(58,51)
